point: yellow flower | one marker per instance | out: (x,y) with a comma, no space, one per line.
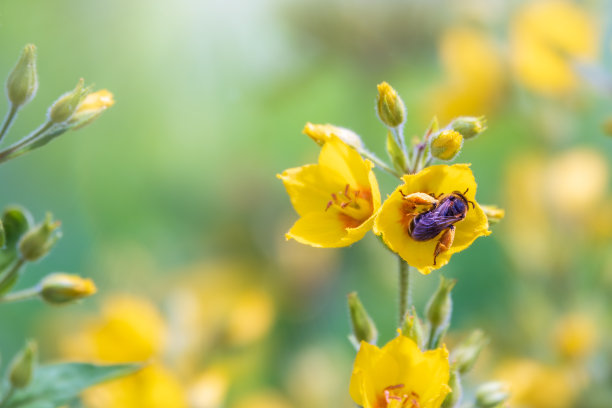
(546,36)
(475,75)
(397,212)
(336,199)
(535,385)
(576,336)
(322,133)
(399,375)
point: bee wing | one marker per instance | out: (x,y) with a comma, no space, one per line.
(431,225)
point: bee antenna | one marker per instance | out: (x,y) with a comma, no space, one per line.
(466,190)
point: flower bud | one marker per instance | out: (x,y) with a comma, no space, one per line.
(59,288)
(22,366)
(413,328)
(22,82)
(66,105)
(454,397)
(494,214)
(439,308)
(467,352)
(390,107)
(322,133)
(38,241)
(469,126)
(91,108)
(492,394)
(396,154)
(446,145)
(363,326)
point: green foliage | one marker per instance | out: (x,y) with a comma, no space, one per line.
(57,384)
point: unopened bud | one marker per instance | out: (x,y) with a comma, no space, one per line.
(390,107)
(38,241)
(322,133)
(469,126)
(59,288)
(22,367)
(413,328)
(362,325)
(91,108)
(396,154)
(492,394)
(22,82)
(494,214)
(66,105)
(467,352)
(446,145)
(454,397)
(439,308)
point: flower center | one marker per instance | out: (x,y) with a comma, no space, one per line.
(352,204)
(396,396)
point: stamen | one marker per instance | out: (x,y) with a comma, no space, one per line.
(395,387)
(346,191)
(329,204)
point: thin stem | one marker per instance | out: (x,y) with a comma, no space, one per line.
(433,331)
(11,273)
(405,290)
(25,294)
(369,155)
(7,396)
(398,133)
(8,120)
(6,153)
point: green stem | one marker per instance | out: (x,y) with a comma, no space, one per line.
(432,335)
(8,120)
(367,154)
(5,399)
(405,292)
(25,294)
(7,153)
(11,273)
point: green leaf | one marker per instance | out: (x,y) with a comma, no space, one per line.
(57,384)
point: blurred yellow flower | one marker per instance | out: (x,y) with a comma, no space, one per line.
(130,329)
(209,389)
(322,133)
(396,215)
(336,198)
(535,385)
(475,75)
(546,36)
(399,375)
(250,317)
(576,336)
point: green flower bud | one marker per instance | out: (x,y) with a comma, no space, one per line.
(59,288)
(454,397)
(390,107)
(22,82)
(446,145)
(440,306)
(413,328)
(396,154)
(492,394)
(22,366)
(467,352)
(66,105)
(38,241)
(362,325)
(469,126)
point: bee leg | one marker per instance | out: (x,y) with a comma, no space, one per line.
(419,199)
(445,242)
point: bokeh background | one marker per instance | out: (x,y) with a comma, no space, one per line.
(170,201)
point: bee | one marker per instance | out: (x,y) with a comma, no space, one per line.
(445,210)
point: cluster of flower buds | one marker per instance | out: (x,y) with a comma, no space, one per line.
(26,243)
(72,110)
(442,144)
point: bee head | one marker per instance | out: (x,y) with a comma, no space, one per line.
(461,196)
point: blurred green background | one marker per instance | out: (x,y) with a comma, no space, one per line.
(177,180)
